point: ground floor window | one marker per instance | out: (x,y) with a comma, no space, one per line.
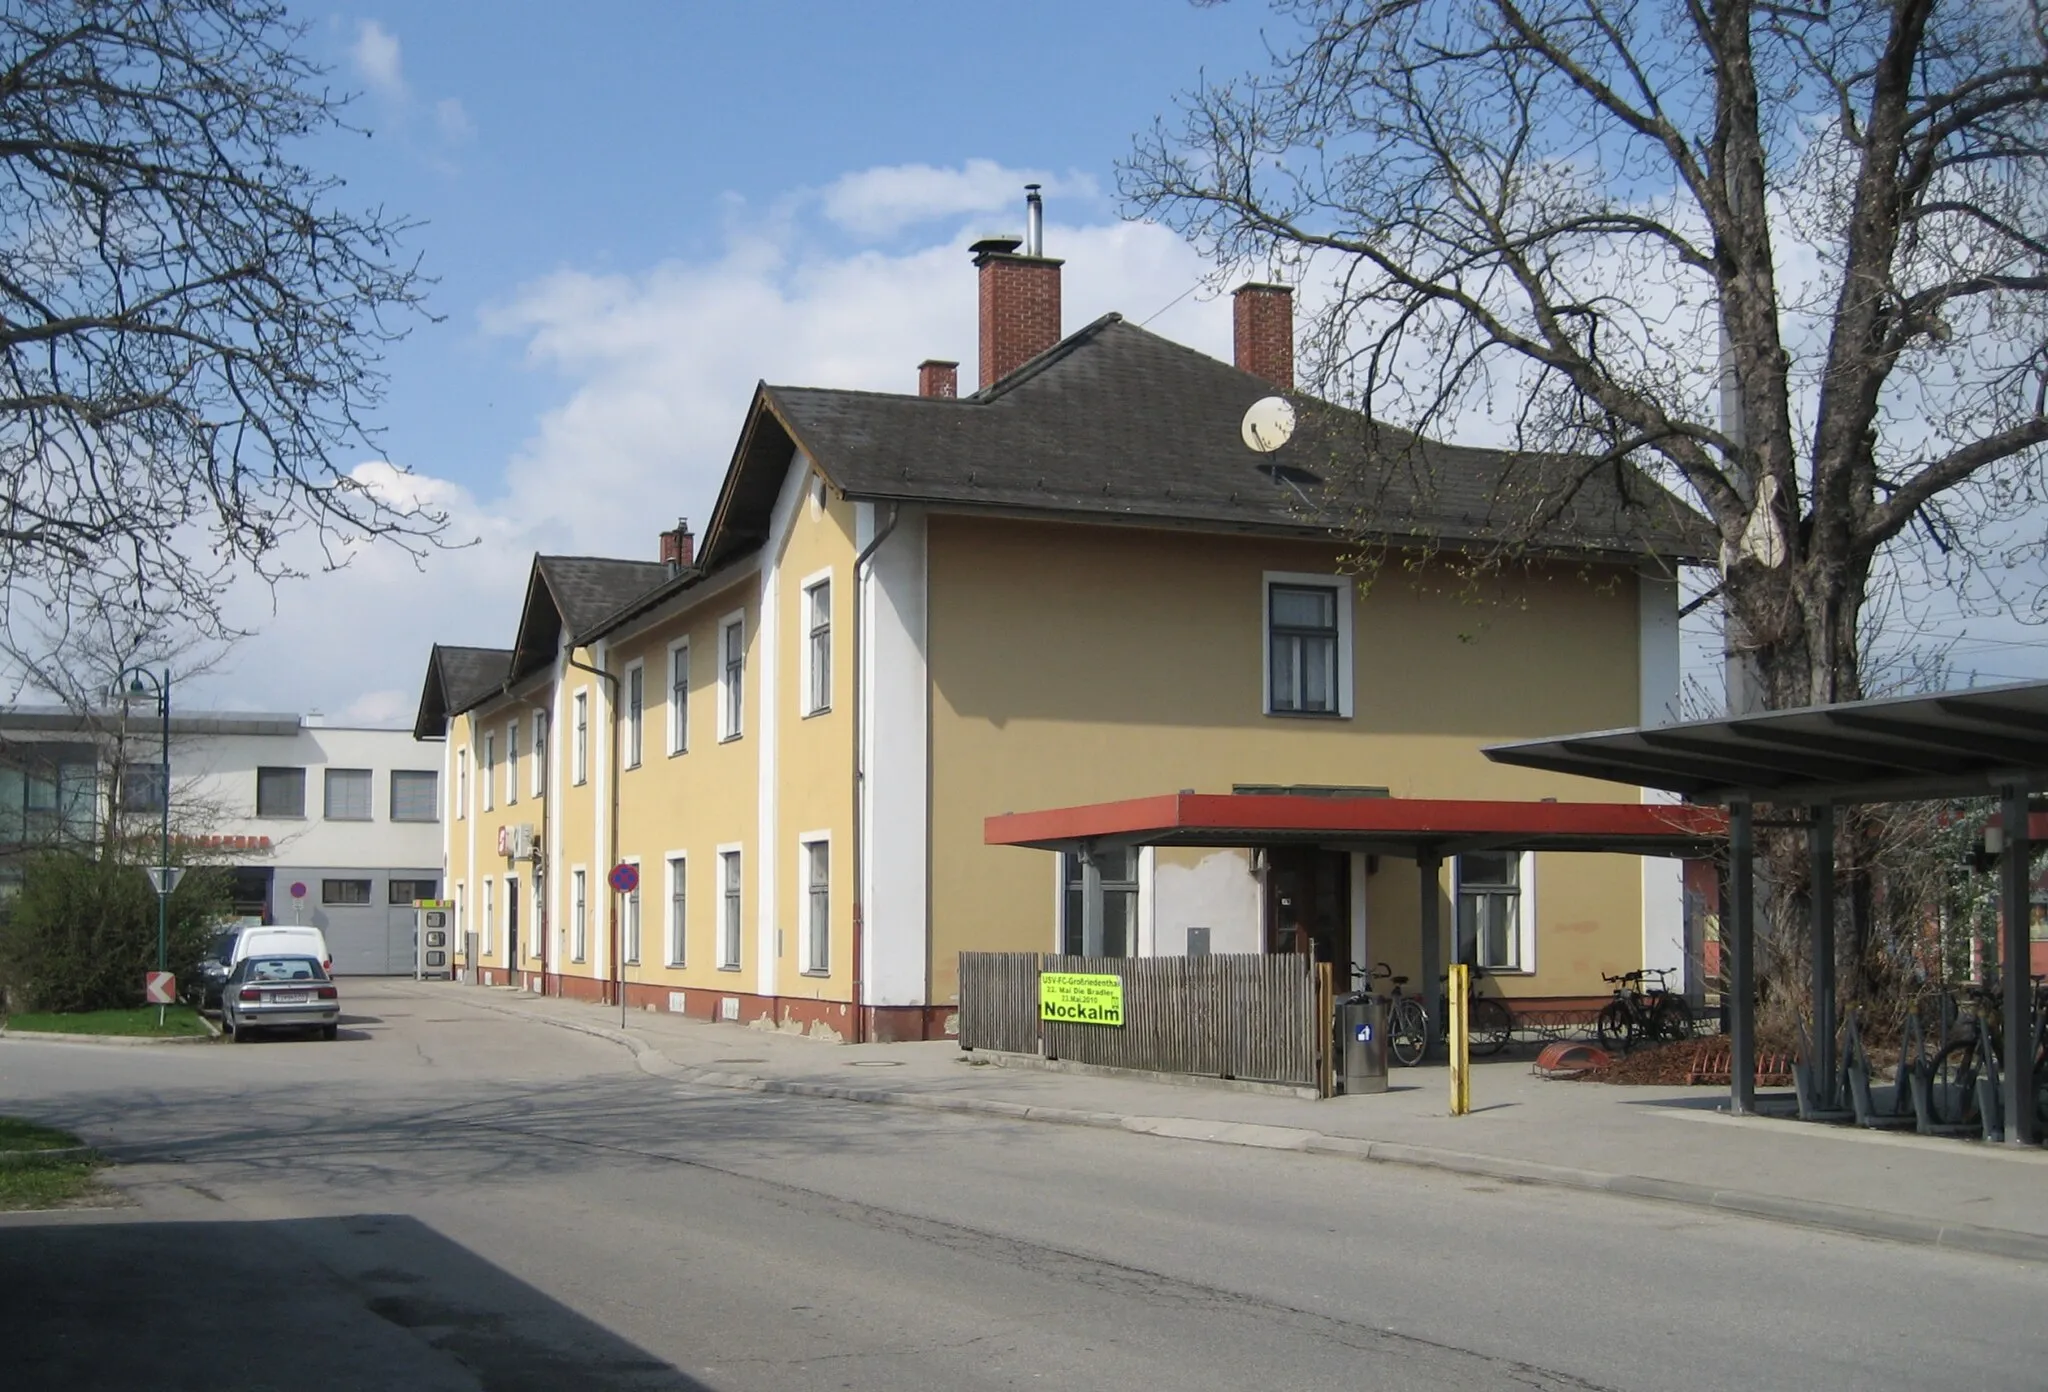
(344,891)
(1490,910)
(579,915)
(630,928)
(729,910)
(1119,869)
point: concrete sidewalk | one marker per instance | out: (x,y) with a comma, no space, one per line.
(1669,1144)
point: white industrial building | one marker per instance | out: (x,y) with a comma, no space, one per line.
(337,827)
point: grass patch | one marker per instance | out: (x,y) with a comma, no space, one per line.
(27,1182)
(179,1020)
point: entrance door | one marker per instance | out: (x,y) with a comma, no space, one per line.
(512,921)
(1308,906)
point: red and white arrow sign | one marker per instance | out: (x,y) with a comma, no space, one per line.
(160,988)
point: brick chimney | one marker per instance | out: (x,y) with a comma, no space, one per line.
(937,377)
(1263,317)
(679,547)
(1020,295)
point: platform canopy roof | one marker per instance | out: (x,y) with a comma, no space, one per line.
(1382,825)
(1951,744)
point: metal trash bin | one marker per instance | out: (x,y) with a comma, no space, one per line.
(1362,1045)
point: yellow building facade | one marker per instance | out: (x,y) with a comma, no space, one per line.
(912,613)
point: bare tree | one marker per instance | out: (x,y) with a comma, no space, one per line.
(191,326)
(1788,258)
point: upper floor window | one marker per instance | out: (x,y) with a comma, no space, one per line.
(142,788)
(636,703)
(1308,645)
(461,783)
(579,745)
(511,762)
(540,753)
(347,795)
(732,684)
(280,792)
(818,647)
(679,698)
(490,770)
(413,795)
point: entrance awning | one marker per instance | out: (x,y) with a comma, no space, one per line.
(1408,827)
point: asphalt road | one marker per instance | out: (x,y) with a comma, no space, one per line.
(450,1198)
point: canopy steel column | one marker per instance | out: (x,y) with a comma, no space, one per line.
(1820,874)
(1091,903)
(1738,939)
(1428,865)
(2015,878)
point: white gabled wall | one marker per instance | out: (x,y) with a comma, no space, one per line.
(895,803)
(1658,658)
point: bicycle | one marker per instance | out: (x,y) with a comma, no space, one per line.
(1980,1033)
(1489,1024)
(1407,1021)
(1637,1015)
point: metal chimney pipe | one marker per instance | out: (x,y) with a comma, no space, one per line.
(1034,221)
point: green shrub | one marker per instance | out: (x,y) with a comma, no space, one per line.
(82,932)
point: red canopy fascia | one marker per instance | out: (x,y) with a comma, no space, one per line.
(1237,819)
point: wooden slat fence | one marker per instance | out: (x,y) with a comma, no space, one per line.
(1235,1015)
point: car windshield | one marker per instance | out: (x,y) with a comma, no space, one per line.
(224,949)
(284,969)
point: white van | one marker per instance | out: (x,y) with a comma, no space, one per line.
(283,940)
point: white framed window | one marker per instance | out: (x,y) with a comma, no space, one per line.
(512,912)
(729,908)
(679,697)
(636,705)
(579,745)
(489,916)
(1308,658)
(732,674)
(511,762)
(814,868)
(1496,910)
(629,921)
(817,650)
(461,783)
(579,914)
(415,796)
(676,932)
(490,770)
(537,924)
(1119,867)
(540,753)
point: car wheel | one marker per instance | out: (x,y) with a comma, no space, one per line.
(330,1031)
(241,1034)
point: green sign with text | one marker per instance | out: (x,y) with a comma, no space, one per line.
(1081,998)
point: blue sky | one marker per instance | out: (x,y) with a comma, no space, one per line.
(636,211)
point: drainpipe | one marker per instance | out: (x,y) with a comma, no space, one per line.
(618,964)
(860,774)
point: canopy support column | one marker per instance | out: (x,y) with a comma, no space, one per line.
(1091,902)
(2015,876)
(1738,938)
(1820,862)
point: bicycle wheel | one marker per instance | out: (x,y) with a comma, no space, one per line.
(1407,1032)
(1616,1027)
(1953,1084)
(1491,1025)
(1672,1019)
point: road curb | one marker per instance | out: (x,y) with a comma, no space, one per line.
(118,1041)
(1810,1213)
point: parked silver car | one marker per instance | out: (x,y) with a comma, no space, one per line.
(274,991)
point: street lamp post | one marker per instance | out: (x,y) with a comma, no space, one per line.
(162,687)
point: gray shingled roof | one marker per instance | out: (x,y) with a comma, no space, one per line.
(1115,420)
(589,589)
(457,678)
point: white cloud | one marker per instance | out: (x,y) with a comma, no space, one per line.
(886,200)
(655,370)
(451,119)
(377,60)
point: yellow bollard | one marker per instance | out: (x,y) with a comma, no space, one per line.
(1458,1039)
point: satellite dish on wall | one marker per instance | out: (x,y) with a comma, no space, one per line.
(1268,423)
